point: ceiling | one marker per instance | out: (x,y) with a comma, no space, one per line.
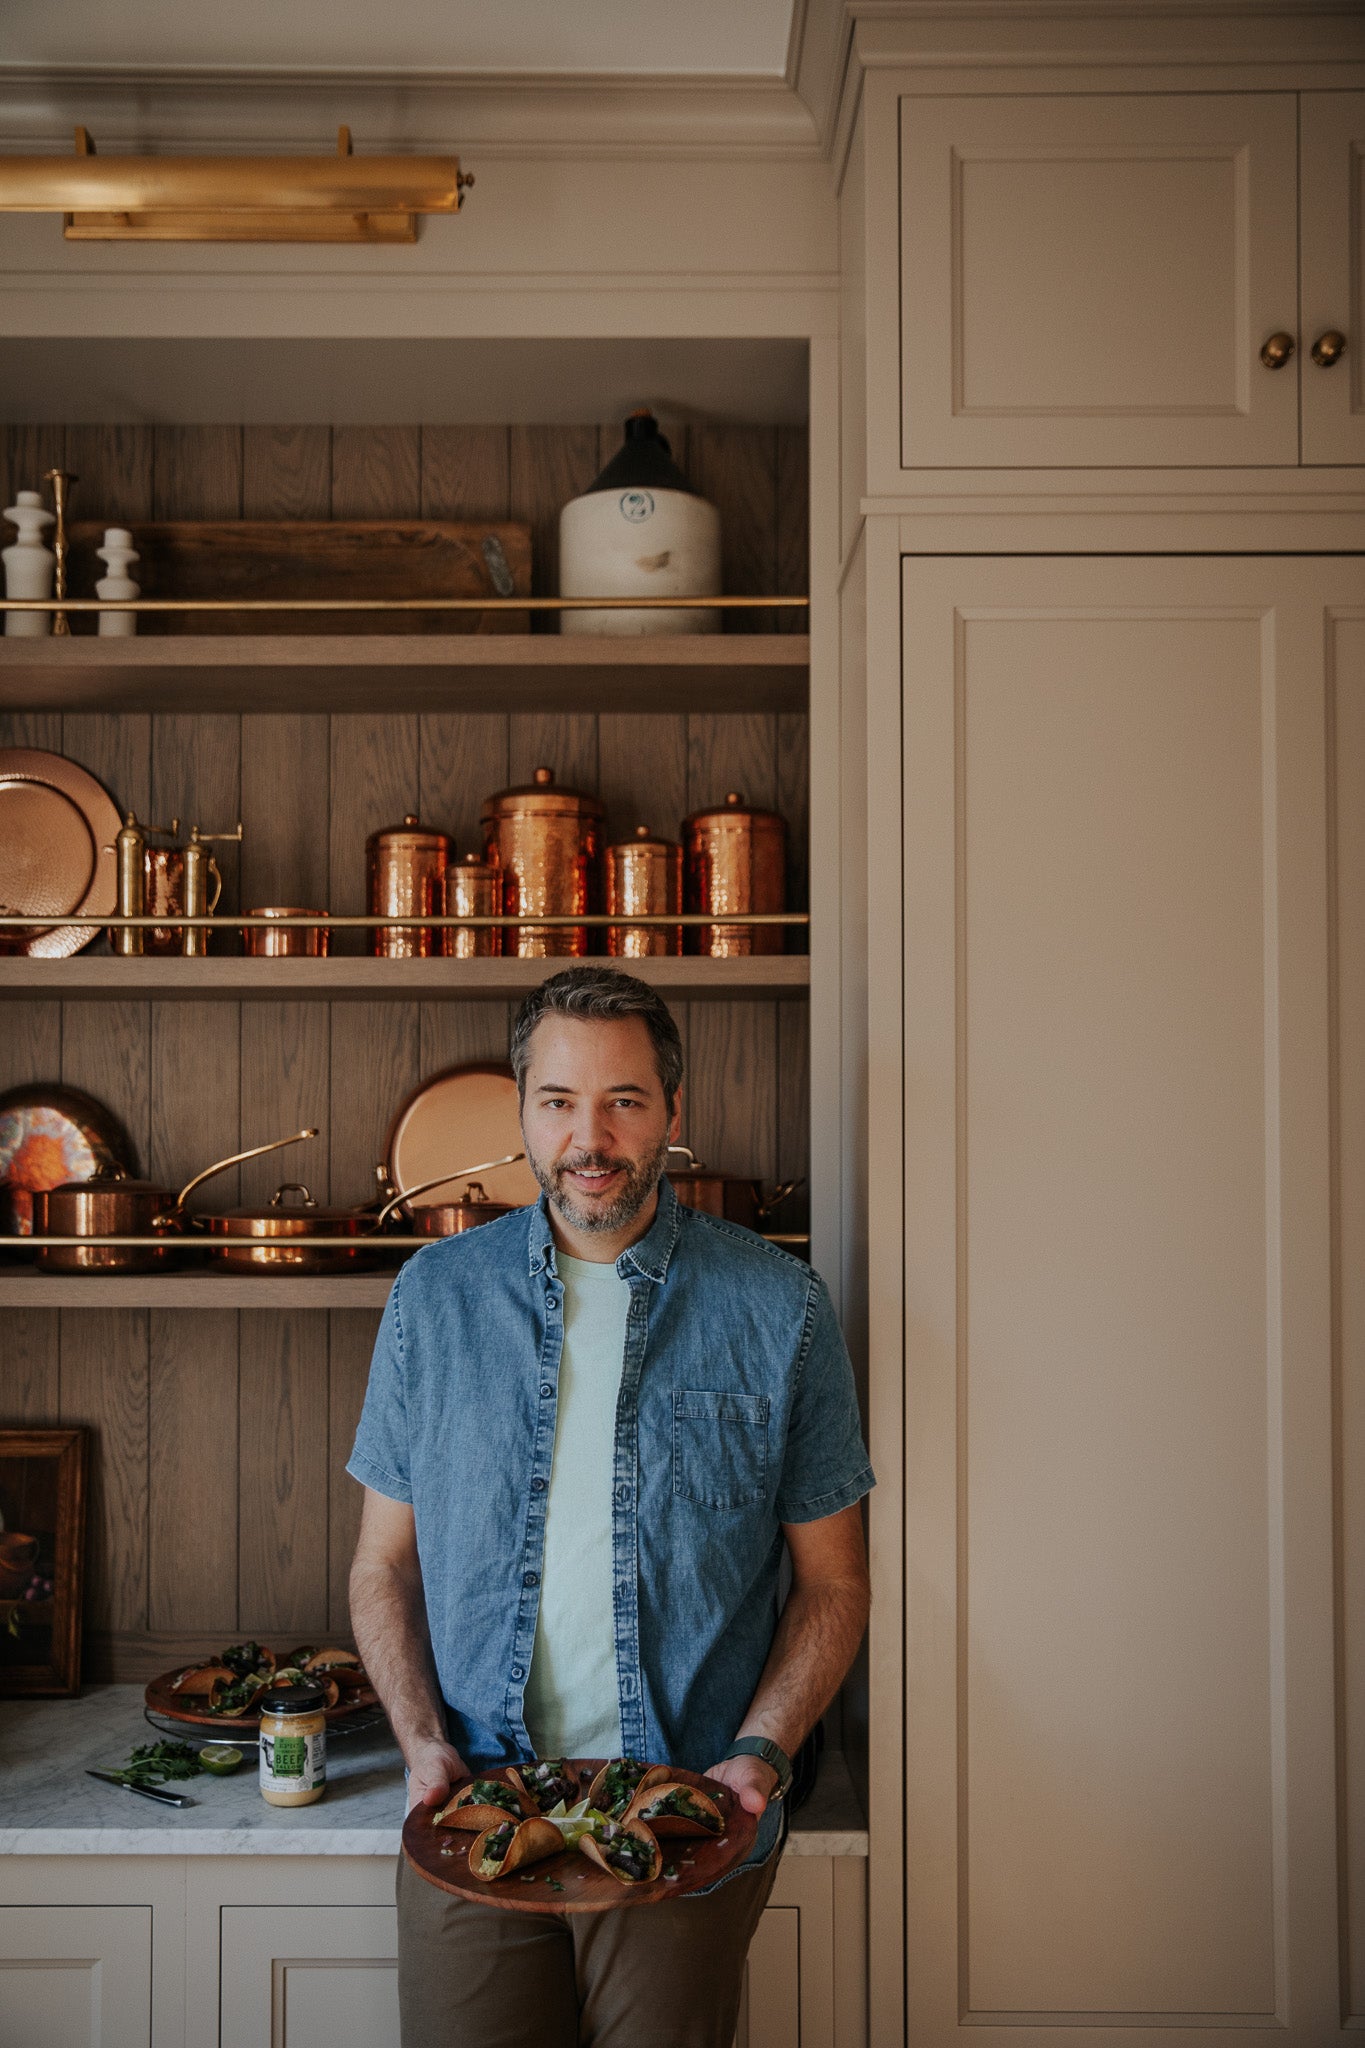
(661,38)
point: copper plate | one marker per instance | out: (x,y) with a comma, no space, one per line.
(463,1113)
(51,1135)
(586,1887)
(57,832)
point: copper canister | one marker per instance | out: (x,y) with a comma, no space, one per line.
(736,860)
(286,942)
(406,866)
(644,879)
(546,843)
(470,889)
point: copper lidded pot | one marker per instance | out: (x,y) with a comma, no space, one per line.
(405,865)
(736,860)
(287,942)
(546,843)
(470,889)
(644,879)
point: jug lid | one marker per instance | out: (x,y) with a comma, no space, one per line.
(644,461)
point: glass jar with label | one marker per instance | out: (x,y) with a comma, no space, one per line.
(293,1744)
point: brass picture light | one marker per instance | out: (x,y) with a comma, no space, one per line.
(344,198)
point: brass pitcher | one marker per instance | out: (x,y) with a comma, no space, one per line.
(546,843)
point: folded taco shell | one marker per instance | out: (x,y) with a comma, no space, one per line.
(675,1823)
(533,1841)
(593,1851)
(464,1811)
(597,1790)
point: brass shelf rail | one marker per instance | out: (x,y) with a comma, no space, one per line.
(361,1246)
(402,604)
(324,921)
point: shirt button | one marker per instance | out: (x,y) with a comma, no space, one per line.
(546,1391)
(530,1578)
(623,1493)
(549,1297)
(517,1672)
(537,1486)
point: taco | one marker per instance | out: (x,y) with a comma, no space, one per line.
(198,1680)
(484,1803)
(616,1784)
(676,1809)
(626,1849)
(500,1850)
(545,1781)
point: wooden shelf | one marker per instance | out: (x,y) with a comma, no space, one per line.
(24,1287)
(101,976)
(408,672)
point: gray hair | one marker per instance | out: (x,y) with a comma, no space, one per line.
(594,992)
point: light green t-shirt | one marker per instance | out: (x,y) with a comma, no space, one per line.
(572,1707)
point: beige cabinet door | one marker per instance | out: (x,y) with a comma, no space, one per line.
(1332,255)
(1122,1802)
(76,1976)
(1089,280)
(309,1977)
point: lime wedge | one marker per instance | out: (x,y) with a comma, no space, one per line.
(220,1758)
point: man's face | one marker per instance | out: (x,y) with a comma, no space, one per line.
(594,1118)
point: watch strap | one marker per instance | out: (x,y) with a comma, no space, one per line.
(768,1752)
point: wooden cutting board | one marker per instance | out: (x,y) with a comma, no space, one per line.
(586,1888)
(380,558)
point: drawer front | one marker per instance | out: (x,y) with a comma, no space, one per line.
(309,1977)
(76,1976)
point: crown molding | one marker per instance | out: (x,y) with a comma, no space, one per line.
(166,109)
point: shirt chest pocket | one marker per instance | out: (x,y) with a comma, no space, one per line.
(720,1447)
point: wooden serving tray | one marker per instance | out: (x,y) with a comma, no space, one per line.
(350,558)
(162,1699)
(586,1888)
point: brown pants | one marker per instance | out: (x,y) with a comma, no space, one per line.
(473,1976)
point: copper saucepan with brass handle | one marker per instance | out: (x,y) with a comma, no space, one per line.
(735,1196)
(116,1205)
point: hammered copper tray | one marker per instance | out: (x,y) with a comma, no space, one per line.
(587,1889)
(58,826)
(160,1697)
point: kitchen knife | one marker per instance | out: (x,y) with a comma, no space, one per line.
(146,1791)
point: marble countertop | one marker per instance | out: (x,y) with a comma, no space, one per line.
(48,1807)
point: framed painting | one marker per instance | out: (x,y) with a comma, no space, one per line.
(42,1559)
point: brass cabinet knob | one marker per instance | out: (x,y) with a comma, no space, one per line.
(1327,348)
(1276,352)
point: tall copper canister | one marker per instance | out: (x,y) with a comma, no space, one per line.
(736,860)
(546,843)
(471,890)
(644,879)
(406,867)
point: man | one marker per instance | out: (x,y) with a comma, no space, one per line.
(589,1429)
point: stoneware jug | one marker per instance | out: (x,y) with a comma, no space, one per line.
(640,530)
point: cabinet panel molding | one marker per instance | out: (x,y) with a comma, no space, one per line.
(76,1976)
(1332,273)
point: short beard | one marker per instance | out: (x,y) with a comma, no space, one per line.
(642,1178)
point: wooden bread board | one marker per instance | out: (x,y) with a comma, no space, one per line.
(314,558)
(587,1888)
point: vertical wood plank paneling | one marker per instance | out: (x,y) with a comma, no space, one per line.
(733,1066)
(563,740)
(375,782)
(375,1051)
(116,747)
(30,1043)
(31,728)
(104,1386)
(287,472)
(642,769)
(793,524)
(351,1335)
(195,1097)
(286,1057)
(28,453)
(466,473)
(376,472)
(464,758)
(282,1540)
(197,473)
(731,750)
(30,1368)
(459,1034)
(115,466)
(192,1498)
(736,468)
(105,1051)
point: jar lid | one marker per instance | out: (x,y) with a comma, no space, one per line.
(645,842)
(410,833)
(304,1698)
(542,796)
(735,808)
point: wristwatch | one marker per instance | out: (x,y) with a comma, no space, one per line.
(769,1753)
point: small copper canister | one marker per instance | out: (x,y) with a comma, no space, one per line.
(406,866)
(470,890)
(736,860)
(644,879)
(547,844)
(286,941)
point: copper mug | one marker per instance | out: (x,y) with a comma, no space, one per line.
(736,860)
(470,889)
(644,878)
(546,843)
(406,867)
(164,896)
(286,942)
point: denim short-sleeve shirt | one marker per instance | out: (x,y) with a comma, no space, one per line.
(736,1413)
